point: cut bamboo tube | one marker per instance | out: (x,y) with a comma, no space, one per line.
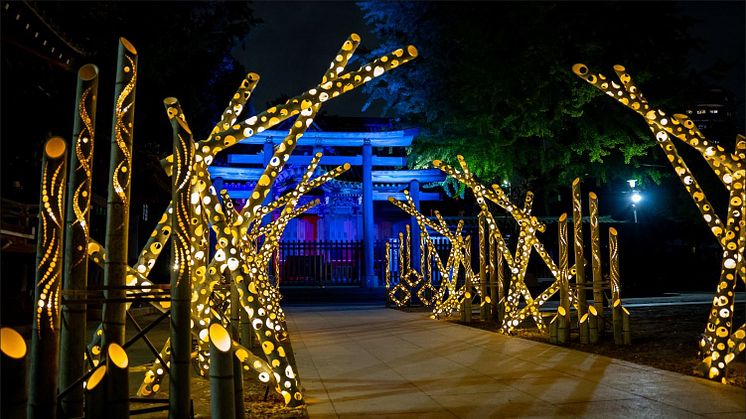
(222,403)
(118,203)
(95,397)
(563,311)
(592,324)
(75,276)
(616,302)
(598,292)
(626,330)
(577,218)
(14,351)
(484,309)
(181,262)
(45,342)
(117,382)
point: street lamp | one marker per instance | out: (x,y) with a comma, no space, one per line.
(636,197)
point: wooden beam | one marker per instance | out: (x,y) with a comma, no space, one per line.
(325,160)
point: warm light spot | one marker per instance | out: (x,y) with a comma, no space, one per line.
(12,343)
(117,355)
(96,377)
(220,337)
(55,147)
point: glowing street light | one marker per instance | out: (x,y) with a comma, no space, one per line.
(636,197)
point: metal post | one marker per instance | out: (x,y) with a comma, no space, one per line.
(14,351)
(118,204)
(46,324)
(369,278)
(181,262)
(77,225)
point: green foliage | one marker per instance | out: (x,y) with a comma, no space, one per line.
(493,83)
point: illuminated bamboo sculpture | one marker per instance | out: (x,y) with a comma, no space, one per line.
(118,203)
(42,401)
(577,219)
(14,396)
(510,311)
(183,219)
(719,344)
(245,243)
(77,233)
(95,399)
(597,314)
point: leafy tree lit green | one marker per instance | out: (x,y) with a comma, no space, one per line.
(493,83)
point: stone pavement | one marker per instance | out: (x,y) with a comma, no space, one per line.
(368,361)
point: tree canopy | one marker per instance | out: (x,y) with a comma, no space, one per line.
(494,84)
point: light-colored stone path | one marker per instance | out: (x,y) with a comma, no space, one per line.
(366,361)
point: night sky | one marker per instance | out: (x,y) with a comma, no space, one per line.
(292,48)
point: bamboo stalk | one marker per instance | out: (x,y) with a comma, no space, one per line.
(117,382)
(593,320)
(577,218)
(222,404)
(563,311)
(598,292)
(181,261)
(95,397)
(235,334)
(14,351)
(42,401)
(616,301)
(75,277)
(118,204)
(626,330)
(484,309)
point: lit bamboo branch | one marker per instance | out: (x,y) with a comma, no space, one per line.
(598,293)
(42,401)
(577,218)
(77,224)
(118,203)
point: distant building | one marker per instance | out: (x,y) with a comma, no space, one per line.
(715,116)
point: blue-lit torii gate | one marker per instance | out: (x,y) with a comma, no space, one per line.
(377,185)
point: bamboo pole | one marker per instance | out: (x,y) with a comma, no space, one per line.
(593,322)
(598,291)
(553,330)
(616,301)
(484,309)
(95,399)
(75,278)
(500,284)
(387,266)
(235,334)
(45,342)
(118,204)
(563,311)
(222,404)
(577,218)
(117,382)
(495,315)
(14,351)
(626,330)
(181,261)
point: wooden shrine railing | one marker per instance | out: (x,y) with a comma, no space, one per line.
(320,263)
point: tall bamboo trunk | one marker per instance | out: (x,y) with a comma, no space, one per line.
(484,308)
(598,291)
(222,404)
(577,218)
(563,312)
(117,382)
(77,232)
(236,335)
(45,335)
(181,262)
(616,300)
(118,204)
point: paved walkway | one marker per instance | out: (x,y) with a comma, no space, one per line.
(366,361)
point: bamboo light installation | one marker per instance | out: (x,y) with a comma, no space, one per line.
(577,218)
(719,344)
(241,259)
(42,401)
(77,233)
(596,316)
(494,253)
(118,203)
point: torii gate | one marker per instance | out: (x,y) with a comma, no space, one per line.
(410,179)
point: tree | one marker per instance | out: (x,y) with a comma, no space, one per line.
(493,83)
